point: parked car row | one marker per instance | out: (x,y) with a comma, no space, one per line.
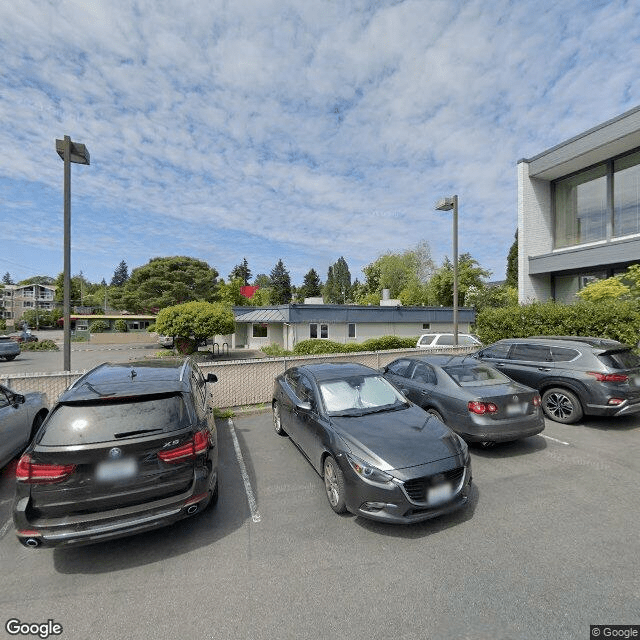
(131,447)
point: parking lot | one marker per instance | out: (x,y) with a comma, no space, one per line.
(547,547)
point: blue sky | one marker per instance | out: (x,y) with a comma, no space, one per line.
(291,129)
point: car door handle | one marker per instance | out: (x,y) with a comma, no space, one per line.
(424,393)
(544,368)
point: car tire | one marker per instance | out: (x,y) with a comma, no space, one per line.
(7,358)
(436,414)
(212,501)
(334,485)
(561,405)
(277,420)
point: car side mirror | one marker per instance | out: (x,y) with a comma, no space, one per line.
(17,399)
(212,377)
(383,370)
(305,407)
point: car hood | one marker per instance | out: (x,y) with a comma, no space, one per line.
(397,439)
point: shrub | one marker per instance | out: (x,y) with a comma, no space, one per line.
(121,325)
(185,346)
(42,345)
(388,342)
(612,319)
(274,350)
(317,346)
(98,326)
(152,328)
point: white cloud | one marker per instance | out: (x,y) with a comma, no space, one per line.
(296,130)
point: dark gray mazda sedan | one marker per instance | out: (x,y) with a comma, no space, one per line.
(381,456)
(127,448)
(477,401)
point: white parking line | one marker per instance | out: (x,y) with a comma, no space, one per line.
(253,505)
(554,439)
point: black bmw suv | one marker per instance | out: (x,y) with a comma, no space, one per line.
(575,375)
(127,448)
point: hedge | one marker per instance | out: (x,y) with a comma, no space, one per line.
(316,346)
(616,320)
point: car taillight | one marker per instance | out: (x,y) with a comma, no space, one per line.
(40,473)
(537,401)
(482,407)
(609,377)
(197,445)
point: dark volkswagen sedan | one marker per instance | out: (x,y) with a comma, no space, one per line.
(478,402)
(381,456)
(127,448)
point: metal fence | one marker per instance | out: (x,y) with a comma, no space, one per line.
(240,382)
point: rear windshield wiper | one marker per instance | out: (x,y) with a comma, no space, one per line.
(128,434)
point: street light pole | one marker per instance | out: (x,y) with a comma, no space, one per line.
(69,152)
(448,204)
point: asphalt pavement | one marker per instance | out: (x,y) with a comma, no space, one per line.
(547,547)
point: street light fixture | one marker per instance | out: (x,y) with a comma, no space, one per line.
(78,153)
(447,204)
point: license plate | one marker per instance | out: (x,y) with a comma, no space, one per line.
(115,470)
(516,409)
(440,494)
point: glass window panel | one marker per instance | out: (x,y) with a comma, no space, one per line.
(626,195)
(581,208)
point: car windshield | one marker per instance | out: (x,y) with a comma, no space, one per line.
(92,422)
(475,375)
(356,395)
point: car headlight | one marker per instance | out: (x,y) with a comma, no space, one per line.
(368,472)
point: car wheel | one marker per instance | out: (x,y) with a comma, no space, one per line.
(213,497)
(435,413)
(334,485)
(277,420)
(562,406)
(7,358)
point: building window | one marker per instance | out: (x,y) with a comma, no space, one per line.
(581,208)
(259,330)
(426,325)
(313,330)
(626,195)
(27,304)
(351,330)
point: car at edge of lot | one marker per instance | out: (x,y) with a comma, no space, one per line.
(9,348)
(575,375)
(381,456)
(478,402)
(20,417)
(127,448)
(435,340)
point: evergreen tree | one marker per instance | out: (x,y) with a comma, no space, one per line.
(280,284)
(120,275)
(242,272)
(7,279)
(311,285)
(512,264)
(337,289)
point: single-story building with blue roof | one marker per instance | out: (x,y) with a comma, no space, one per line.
(288,324)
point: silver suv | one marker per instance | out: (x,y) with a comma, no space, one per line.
(575,375)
